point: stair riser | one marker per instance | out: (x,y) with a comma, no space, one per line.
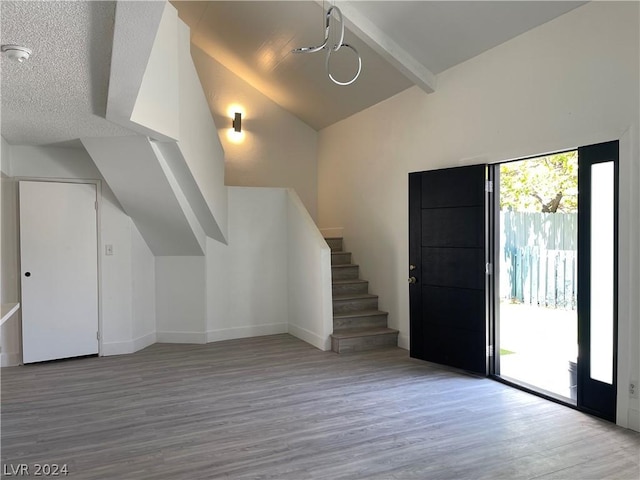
(335,244)
(345,273)
(341,259)
(370,321)
(341,306)
(357,344)
(357,323)
(351,288)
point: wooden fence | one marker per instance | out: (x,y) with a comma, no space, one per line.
(539,258)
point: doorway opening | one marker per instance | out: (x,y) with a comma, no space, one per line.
(538,282)
(517,277)
(555,236)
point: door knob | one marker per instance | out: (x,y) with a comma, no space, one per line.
(412,267)
(412,279)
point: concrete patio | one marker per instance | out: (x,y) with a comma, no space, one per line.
(544,341)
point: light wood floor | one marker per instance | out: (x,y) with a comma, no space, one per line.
(275,407)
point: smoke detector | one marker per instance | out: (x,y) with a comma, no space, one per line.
(16,52)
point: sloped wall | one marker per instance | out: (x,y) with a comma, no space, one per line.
(169,106)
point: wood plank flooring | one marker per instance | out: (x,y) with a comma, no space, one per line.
(276,408)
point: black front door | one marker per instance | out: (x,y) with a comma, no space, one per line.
(447,271)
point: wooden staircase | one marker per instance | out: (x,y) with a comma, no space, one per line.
(357,322)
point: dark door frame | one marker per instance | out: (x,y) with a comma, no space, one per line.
(593,397)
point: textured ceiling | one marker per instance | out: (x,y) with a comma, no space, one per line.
(59,94)
(253,39)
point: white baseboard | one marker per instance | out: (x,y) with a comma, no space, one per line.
(634,419)
(144,341)
(116,348)
(310,337)
(333,232)
(403,341)
(129,346)
(245,332)
(9,359)
(181,337)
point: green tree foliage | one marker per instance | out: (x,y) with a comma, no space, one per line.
(544,184)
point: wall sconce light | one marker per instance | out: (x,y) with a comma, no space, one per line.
(237,122)
(235,134)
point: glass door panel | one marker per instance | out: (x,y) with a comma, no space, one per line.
(597,266)
(602,275)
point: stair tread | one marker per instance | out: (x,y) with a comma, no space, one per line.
(359,313)
(339,252)
(354,296)
(347,281)
(362,332)
(346,265)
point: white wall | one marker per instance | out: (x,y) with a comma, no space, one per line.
(573,81)
(171,105)
(154,108)
(136,174)
(143,292)
(274,276)
(9,277)
(8,241)
(278,150)
(309,266)
(116,276)
(181,299)
(136,23)
(201,149)
(118,272)
(247,282)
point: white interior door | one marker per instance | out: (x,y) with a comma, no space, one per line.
(59,267)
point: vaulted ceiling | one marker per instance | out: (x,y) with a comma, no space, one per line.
(59,95)
(402,43)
